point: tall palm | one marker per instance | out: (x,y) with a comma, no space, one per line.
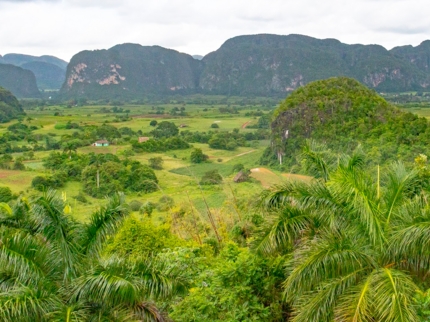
(52,268)
(359,249)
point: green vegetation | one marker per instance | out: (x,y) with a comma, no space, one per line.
(347,239)
(9,106)
(52,270)
(344,114)
(252,65)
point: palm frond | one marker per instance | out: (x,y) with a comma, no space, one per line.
(398,185)
(283,233)
(317,159)
(392,295)
(104,223)
(25,259)
(27,304)
(355,191)
(319,305)
(332,255)
(59,229)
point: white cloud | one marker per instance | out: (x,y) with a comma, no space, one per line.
(63,28)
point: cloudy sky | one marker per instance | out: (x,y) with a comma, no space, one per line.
(64,27)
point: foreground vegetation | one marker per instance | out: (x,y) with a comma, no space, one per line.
(203,232)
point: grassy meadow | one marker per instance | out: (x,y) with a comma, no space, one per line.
(178,179)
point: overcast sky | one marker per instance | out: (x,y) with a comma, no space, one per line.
(65,27)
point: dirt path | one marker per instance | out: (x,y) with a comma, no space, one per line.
(247,152)
(244,125)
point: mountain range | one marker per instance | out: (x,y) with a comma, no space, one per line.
(258,65)
(49,71)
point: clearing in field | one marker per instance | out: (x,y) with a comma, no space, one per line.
(269,178)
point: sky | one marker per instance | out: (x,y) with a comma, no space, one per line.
(63,28)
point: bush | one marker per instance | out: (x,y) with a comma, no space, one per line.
(153,123)
(165,203)
(81,197)
(156,163)
(135,205)
(214,126)
(18,165)
(5,194)
(147,208)
(211,177)
(237,167)
(197,156)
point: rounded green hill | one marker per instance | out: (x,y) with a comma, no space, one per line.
(10,108)
(342,113)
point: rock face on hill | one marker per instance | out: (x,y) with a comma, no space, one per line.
(263,65)
(50,71)
(21,82)
(131,70)
(9,106)
(267,64)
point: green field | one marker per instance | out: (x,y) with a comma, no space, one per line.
(178,176)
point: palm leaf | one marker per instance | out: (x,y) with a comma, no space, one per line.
(104,223)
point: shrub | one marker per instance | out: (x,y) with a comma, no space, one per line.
(81,197)
(211,177)
(5,194)
(237,167)
(156,163)
(135,205)
(18,165)
(197,156)
(147,208)
(165,203)
(214,126)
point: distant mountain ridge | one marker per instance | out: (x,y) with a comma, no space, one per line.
(131,70)
(50,71)
(262,65)
(21,82)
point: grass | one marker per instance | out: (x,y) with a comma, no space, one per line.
(178,174)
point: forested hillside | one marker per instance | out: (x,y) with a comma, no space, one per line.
(256,65)
(130,71)
(21,82)
(342,113)
(9,106)
(50,71)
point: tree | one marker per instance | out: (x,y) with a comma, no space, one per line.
(358,245)
(156,163)
(52,267)
(153,123)
(211,177)
(5,194)
(165,129)
(197,156)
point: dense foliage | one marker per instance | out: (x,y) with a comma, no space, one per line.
(358,244)
(343,113)
(52,267)
(100,174)
(9,106)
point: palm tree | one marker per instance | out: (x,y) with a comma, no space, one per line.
(52,267)
(69,147)
(359,249)
(97,160)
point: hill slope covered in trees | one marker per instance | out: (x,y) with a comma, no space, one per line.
(258,65)
(21,82)
(130,70)
(50,71)
(343,113)
(9,106)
